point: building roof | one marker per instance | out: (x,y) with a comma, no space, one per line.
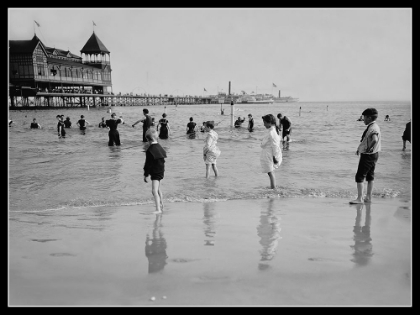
(94,45)
(23,46)
(28,47)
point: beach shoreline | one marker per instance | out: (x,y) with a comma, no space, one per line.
(271,252)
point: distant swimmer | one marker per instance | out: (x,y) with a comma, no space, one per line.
(239,122)
(102,124)
(164,127)
(361,118)
(60,126)
(147,123)
(250,123)
(387,118)
(286,126)
(113,134)
(203,127)
(67,123)
(82,124)
(191,128)
(35,125)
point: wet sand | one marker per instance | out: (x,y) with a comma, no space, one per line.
(261,252)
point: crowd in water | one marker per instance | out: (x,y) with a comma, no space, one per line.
(277,137)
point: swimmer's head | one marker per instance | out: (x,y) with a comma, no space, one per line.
(67,118)
(191,119)
(151,134)
(279,115)
(113,115)
(164,115)
(250,115)
(82,116)
(269,119)
(210,124)
(145,111)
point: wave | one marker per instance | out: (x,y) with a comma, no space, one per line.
(262,193)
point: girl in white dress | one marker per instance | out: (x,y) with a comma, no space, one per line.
(210,150)
(271,155)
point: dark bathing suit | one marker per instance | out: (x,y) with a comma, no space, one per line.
(113,133)
(163,129)
(155,162)
(82,124)
(63,132)
(147,122)
(191,132)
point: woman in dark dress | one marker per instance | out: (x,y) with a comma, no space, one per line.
(191,128)
(164,127)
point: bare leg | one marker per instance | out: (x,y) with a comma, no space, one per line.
(160,196)
(359,193)
(207,170)
(155,192)
(369,189)
(272,180)
(216,172)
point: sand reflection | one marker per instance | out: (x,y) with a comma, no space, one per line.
(362,240)
(269,233)
(156,247)
(209,223)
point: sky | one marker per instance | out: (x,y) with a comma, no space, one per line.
(334,54)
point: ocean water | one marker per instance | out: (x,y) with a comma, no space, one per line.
(47,173)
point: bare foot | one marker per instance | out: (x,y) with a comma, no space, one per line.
(356,201)
(367,200)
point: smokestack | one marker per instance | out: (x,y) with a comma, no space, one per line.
(229,87)
(279,93)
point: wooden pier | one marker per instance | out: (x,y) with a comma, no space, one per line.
(54,100)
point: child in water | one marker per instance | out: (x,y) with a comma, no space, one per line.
(210,150)
(155,167)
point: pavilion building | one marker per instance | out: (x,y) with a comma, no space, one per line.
(35,68)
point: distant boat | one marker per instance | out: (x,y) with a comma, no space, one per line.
(285,99)
(258,99)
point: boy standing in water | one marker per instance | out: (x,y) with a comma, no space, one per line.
(155,167)
(369,146)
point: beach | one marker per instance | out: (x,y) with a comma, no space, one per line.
(82,230)
(263,252)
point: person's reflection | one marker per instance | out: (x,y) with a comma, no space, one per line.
(156,247)
(269,233)
(362,240)
(209,223)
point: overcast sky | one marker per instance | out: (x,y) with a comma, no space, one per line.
(312,54)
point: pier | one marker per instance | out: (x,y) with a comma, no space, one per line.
(39,100)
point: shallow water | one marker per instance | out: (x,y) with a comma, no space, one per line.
(276,251)
(81,170)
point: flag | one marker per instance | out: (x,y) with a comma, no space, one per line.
(37,23)
(205,90)
(274,85)
(94,23)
